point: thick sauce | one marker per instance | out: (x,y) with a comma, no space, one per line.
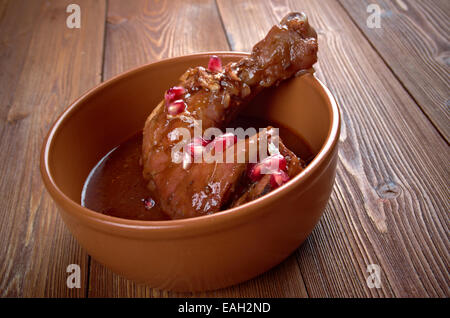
(116,187)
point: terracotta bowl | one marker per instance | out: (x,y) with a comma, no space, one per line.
(207,252)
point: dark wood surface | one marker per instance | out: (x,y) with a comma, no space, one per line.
(44,66)
(421,29)
(390,203)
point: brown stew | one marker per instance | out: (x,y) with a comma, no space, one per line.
(116,187)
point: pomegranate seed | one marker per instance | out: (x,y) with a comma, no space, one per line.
(215,64)
(250,167)
(269,165)
(278,178)
(176,107)
(255,172)
(274,163)
(195,147)
(148,203)
(224,141)
(173,93)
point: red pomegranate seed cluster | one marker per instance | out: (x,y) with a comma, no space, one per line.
(274,165)
(220,143)
(174,96)
(278,178)
(174,102)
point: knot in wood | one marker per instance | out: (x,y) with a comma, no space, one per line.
(389,190)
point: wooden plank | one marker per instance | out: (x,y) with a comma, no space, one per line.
(284,280)
(413,39)
(152,30)
(44,66)
(390,202)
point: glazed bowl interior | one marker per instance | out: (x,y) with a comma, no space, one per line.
(105,117)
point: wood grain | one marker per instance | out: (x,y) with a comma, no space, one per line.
(414,39)
(151,30)
(390,202)
(44,66)
(146,32)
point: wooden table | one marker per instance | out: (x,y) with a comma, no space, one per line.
(390,204)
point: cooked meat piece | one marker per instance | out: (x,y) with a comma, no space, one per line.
(214,96)
(254,190)
(295,165)
(207,186)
